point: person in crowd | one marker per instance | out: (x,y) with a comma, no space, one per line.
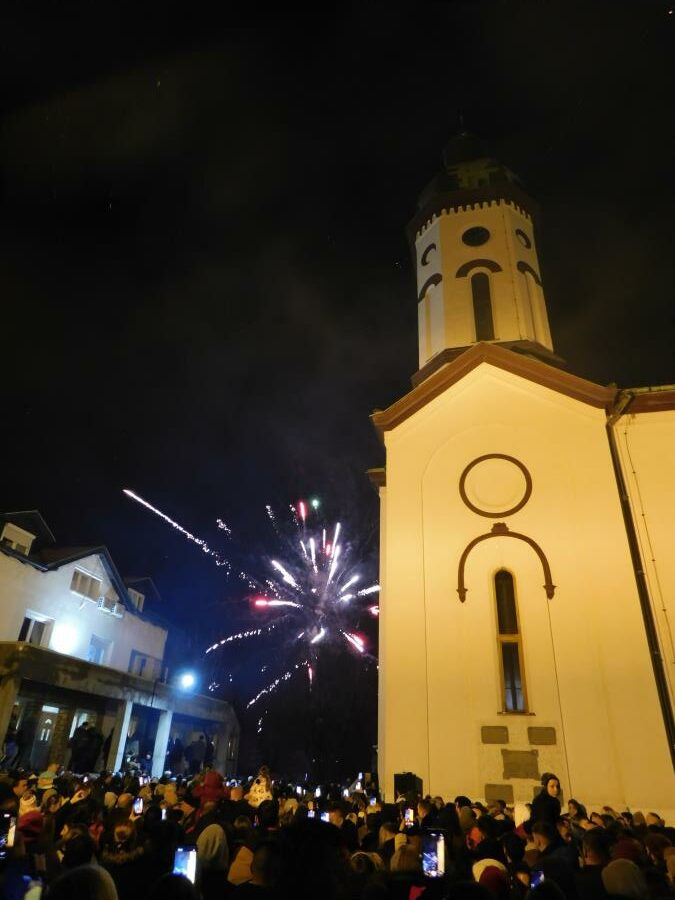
(261,789)
(88,882)
(623,878)
(546,805)
(595,855)
(265,869)
(212,862)
(337,816)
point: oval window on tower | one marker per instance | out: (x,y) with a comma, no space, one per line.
(474,237)
(523,238)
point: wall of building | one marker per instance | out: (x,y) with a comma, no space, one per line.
(646,444)
(586,660)
(74,618)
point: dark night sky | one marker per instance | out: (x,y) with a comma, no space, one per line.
(206,286)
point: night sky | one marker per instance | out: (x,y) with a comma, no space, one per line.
(206,284)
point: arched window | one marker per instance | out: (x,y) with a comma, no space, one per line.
(482,307)
(514,696)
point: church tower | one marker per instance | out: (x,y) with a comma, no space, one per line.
(478,275)
(525,544)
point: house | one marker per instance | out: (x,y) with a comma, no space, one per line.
(78,644)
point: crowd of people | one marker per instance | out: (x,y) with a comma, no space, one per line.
(200,837)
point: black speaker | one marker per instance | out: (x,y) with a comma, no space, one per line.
(407,783)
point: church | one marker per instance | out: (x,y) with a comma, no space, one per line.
(526,550)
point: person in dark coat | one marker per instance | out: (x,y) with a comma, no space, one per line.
(546,805)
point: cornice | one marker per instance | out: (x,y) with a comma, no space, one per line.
(525,367)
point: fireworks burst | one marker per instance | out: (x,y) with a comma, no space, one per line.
(314,590)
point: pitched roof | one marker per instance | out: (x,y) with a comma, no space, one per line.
(523,366)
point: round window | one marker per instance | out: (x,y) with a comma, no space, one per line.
(523,238)
(476,236)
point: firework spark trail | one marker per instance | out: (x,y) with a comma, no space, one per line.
(275,684)
(242,635)
(187,534)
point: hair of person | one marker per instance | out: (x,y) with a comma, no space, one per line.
(596,841)
(405,859)
(84,882)
(514,846)
(545,829)
(425,805)
(461,800)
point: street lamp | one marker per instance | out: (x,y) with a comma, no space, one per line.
(187,680)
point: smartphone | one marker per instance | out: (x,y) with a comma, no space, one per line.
(536,877)
(185,862)
(138,806)
(345,792)
(409,817)
(163,813)
(317,792)
(325,817)
(433,854)
(311,814)
(85,779)
(298,791)
(372,801)
(7,831)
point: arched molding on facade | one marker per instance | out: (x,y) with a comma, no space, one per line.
(472,264)
(424,261)
(429,283)
(500,529)
(526,267)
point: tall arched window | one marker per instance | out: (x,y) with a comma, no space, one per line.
(514,696)
(482,307)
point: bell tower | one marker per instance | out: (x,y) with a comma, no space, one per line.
(478,276)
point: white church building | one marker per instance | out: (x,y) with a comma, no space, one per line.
(527,520)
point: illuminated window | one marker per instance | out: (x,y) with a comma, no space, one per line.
(482,307)
(514,696)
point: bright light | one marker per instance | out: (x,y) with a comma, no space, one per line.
(315,502)
(64,638)
(288,578)
(374,610)
(318,637)
(302,509)
(373,589)
(187,680)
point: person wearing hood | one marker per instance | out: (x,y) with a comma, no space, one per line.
(213,860)
(546,805)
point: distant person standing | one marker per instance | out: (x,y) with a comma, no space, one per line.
(197,753)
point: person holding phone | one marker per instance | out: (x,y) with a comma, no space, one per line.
(337,815)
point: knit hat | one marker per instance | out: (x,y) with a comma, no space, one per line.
(30,825)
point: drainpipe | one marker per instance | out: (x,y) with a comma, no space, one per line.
(621,404)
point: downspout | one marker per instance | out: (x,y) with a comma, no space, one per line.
(621,404)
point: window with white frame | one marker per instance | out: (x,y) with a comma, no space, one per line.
(86,585)
(35,629)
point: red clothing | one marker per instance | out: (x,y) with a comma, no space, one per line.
(211,790)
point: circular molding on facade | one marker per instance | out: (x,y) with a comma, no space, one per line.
(476,236)
(495,485)
(523,238)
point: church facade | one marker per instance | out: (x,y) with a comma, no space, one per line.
(526,532)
